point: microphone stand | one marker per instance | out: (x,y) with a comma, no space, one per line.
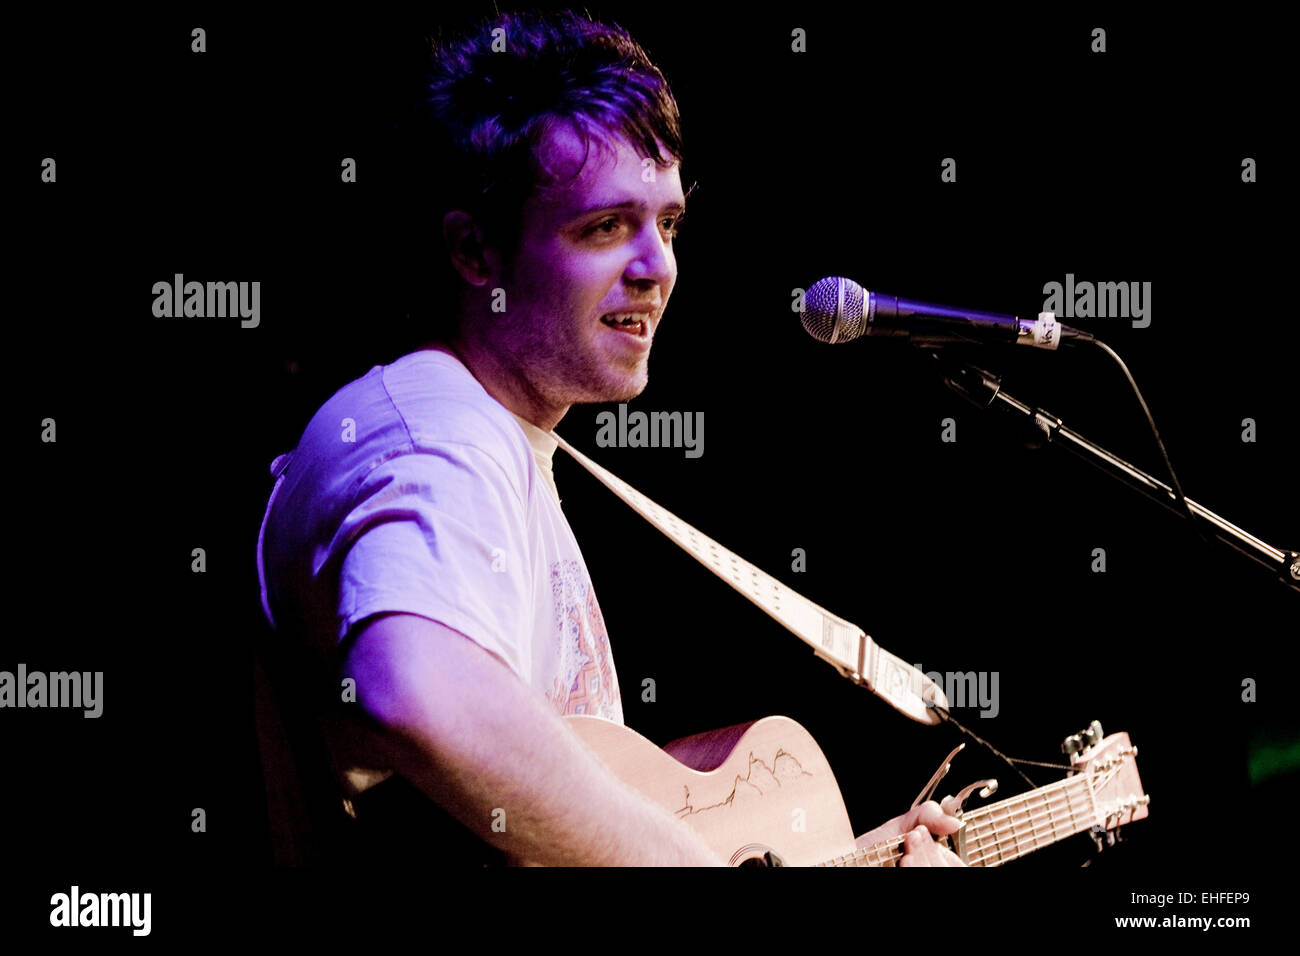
(984,389)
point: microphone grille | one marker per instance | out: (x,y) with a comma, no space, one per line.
(834,310)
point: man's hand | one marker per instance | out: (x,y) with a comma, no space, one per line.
(917,826)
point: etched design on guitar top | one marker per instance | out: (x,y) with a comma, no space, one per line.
(759,779)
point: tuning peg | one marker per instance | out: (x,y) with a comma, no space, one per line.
(1072,745)
(1092,736)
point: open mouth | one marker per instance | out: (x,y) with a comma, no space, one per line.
(631,322)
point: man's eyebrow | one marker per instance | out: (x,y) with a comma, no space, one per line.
(638,204)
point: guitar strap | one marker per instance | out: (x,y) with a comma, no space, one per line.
(837,641)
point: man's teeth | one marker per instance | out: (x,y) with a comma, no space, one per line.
(630,318)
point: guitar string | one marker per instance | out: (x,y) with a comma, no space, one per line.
(989,827)
(1021,830)
(986,853)
(1074,787)
(1054,834)
(893,847)
(1057,802)
(991,824)
(1015,825)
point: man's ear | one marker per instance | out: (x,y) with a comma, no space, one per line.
(467,247)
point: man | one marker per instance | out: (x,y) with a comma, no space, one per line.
(415,539)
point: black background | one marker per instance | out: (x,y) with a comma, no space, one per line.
(973,555)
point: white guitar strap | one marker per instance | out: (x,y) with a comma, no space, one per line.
(835,640)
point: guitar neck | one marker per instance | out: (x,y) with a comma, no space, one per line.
(1006,830)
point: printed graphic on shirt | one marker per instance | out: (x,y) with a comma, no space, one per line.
(587,684)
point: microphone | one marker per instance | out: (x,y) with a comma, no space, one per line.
(839,310)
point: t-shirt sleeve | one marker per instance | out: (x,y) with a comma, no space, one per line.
(441,534)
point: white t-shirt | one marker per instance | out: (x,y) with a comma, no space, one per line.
(413,490)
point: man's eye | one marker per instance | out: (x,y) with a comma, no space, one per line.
(671,225)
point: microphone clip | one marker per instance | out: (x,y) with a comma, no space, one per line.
(976,385)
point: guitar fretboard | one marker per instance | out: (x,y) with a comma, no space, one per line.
(1006,830)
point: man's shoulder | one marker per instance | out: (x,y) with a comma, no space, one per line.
(439,401)
(425,402)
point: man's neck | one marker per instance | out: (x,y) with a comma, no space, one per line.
(503,386)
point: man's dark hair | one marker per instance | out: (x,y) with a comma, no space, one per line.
(496,91)
(492,95)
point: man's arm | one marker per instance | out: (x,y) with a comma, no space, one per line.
(455,720)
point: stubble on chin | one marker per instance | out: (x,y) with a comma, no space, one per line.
(615,387)
(598,381)
(571,378)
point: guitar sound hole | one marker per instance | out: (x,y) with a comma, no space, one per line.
(767,859)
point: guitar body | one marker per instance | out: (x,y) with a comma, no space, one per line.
(749,790)
(762,793)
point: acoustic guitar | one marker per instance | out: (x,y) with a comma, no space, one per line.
(763,794)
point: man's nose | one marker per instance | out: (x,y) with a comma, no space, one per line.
(652,259)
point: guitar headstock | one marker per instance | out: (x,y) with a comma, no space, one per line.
(1110,766)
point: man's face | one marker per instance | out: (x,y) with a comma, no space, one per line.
(601,246)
